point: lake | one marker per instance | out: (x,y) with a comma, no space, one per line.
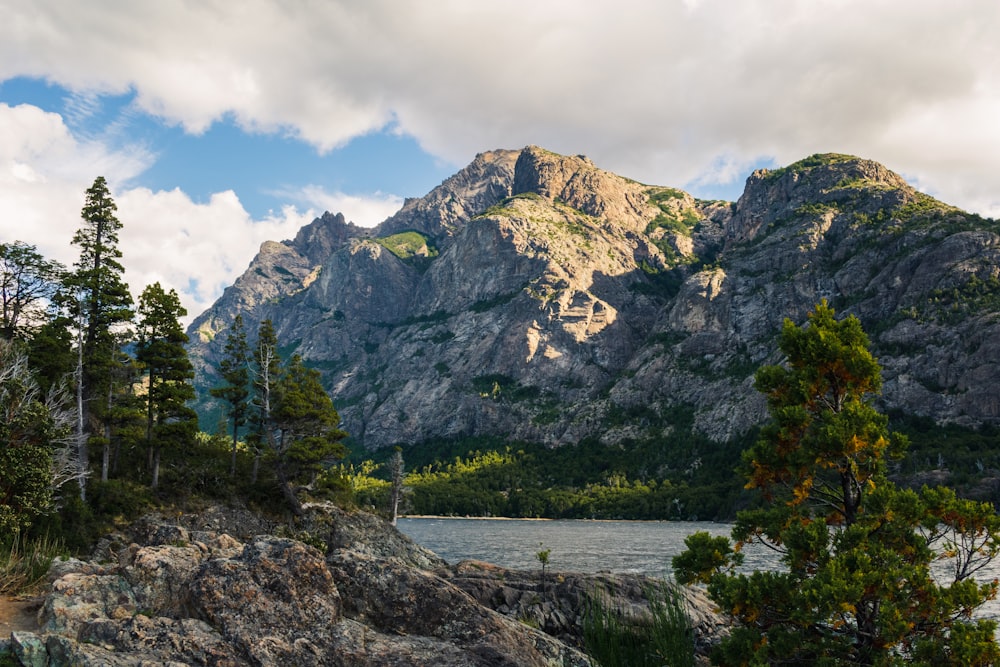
(634,547)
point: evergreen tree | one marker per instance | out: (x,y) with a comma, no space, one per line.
(50,352)
(235,371)
(28,283)
(305,438)
(100,306)
(170,422)
(857,586)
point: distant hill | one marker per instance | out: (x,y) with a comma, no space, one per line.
(537,297)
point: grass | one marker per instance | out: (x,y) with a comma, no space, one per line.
(816,160)
(614,639)
(407,245)
(24,563)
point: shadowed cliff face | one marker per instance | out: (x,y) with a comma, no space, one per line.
(533,295)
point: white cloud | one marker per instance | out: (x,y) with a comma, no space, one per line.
(671,92)
(197,249)
(668,92)
(44,172)
(366,211)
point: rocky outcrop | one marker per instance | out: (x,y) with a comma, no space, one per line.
(176,594)
(558,603)
(560,296)
(445,209)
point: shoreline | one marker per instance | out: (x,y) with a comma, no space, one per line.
(516,518)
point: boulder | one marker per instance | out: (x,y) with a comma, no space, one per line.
(171,594)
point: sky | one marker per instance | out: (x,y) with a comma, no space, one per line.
(219,124)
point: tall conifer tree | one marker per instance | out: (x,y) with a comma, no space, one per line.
(169,421)
(235,371)
(304,434)
(98,300)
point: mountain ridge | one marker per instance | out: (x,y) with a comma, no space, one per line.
(537,297)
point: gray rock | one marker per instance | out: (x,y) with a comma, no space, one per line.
(558,610)
(563,294)
(29,649)
(274,601)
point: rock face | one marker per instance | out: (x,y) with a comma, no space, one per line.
(558,604)
(547,295)
(169,594)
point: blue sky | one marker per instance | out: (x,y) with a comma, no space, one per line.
(264,169)
(220,125)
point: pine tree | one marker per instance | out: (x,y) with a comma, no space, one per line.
(170,422)
(98,301)
(235,371)
(306,440)
(857,586)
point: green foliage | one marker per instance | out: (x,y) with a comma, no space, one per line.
(499,387)
(811,162)
(28,282)
(967,458)
(975,296)
(499,300)
(34,437)
(680,477)
(673,218)
(97,304)
(50,354)
(235,371)
(817,209)
(501,208)
(170,423)
(705,555)
(922,207)
(857,551)
(681,223)
(304,439)
(665,637)
(412,247)
(95,293)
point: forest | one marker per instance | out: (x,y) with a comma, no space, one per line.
(96,425)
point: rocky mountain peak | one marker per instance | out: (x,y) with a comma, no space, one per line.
(439,214)
(774,194)
(578,183)
(325,234)
(537,297)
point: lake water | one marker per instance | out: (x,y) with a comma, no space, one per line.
(634,547)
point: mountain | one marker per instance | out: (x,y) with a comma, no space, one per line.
(537,297)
